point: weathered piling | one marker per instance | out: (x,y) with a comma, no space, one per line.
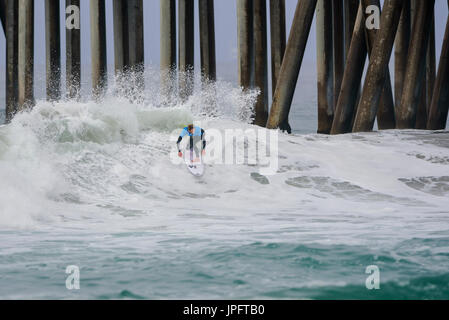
(401,45)
(386,111)
(261,61)
(245,43)
(121,42)
(168,46)
(53,49)
(278,38)
(350,13)
(26,54)
(422,100)
(186,47)
(355,63)
(135,35)
(339,45)
(440,99)
(98,47)
(377,75)
(416,66)
(73,49)
(168,34)
(12,56)
(288,76)
(325,71)
(428,79)
(430,64)
(136,46)
(207,40)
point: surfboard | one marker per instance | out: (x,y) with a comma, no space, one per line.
(196,168)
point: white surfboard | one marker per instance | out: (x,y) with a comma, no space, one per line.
(195,167)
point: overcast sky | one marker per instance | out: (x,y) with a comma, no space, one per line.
(225,25)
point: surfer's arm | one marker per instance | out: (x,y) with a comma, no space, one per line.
(203,133)
(177,143)
(181,136)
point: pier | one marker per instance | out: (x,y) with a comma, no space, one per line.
(348,100)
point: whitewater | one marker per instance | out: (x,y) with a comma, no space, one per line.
(92,184)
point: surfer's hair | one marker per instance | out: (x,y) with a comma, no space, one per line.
(190,127)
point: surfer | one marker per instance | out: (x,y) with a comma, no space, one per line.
(196,135)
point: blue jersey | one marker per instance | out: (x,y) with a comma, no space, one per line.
(196,133)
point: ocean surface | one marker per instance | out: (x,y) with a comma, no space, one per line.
(93,185)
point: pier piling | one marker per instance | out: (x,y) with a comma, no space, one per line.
(401,45)
(98,47)
(261,62)
(440,98)
(12,58)
(186,33)
(136,34)
(416,66)
(53,49)
(73,55)
(207,40)
(351,8)
(278,38)
(245,43)
(136,47)
(386,110)
(339,45)
(376,76)
(26,54)
(291,65)
(168,47)
(121,42)
(325,66)
(355,63)
(429,79)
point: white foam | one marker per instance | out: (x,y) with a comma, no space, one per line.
(107,167)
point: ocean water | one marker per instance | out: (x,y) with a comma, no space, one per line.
(93,185)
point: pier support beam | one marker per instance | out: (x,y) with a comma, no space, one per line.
(168,47)
(121,41)
(325,65)
(338,38)
(186,33)
(355,63)
(386,110)
(261,61)
(440,98)
(278,38)
(53,49)
(351,8)
(401,45)
(12,58)
(136,47)
(26,54)
(207,40)
(135,35)
(98,46)
(428,79)
(378,65)
(430,66)
(416,66)
(73,54)
(291,65)
(245,43)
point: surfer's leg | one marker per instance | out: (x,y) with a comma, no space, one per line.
(195,147)
(191,149)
